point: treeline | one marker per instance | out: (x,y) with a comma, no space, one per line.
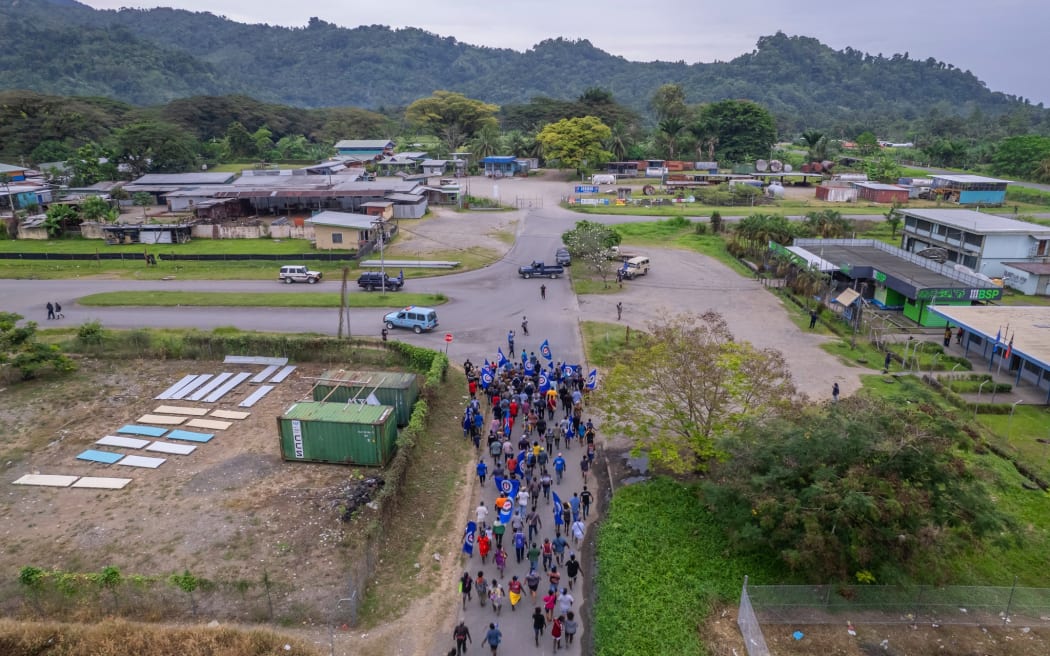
(148,57)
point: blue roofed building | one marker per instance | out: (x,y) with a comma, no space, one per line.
(970,189)
(504,166)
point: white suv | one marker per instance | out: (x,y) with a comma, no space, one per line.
(299,273)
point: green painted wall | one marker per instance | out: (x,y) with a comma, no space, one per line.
(920,314)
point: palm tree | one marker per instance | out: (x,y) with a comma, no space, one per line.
(828,224)
(817,144)
(619,141)
(486,142)
(671,128)
(706,134)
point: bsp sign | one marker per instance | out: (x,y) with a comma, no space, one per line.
(959,294)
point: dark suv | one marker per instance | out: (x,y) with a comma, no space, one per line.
(373,280)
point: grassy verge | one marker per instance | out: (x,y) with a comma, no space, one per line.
(665,562)
(137,270)
(1025,203)
(678,233)
(605,344)
(1019,436)
(194,247)
(265,299)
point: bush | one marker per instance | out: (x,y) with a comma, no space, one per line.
(700,228)
(90,333)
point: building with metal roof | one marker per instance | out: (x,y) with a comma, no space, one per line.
(878,192)
(364,149)
(969,189)
(1030,278)
(893,279)
(1010,337)
(981,242)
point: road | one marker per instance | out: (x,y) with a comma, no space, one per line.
(483,305)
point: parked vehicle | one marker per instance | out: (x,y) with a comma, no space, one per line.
(634,267)
(373,280)
(562,257)
(541,270)
(416,318)
(618,253)
(299,273)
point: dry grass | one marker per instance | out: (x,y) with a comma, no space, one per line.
(120,638)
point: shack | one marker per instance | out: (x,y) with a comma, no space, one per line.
(339,433)
(395,389)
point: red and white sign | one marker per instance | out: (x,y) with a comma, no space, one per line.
(448,337)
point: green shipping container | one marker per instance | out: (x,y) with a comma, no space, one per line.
(395,389)
(348,434)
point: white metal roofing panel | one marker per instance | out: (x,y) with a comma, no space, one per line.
(166,394)
(977,222)
(46,480)
(284,373)
(102,483)
(124,442)
(255,396)
(142,461)
(180,410)
(190,386)
(230,414)
(265,373)
(209,424)
(176,449)
(163,420)
(207,389)
(230,384)
(254,359)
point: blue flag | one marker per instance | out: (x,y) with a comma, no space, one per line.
(557,509)
(486,378)
(468,538)
(502,361)
(521,462)
(508,486)
(529,370)
(592,379)
(545,350)
(566,370)
(545,383)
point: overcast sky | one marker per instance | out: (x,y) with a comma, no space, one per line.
(1002,42)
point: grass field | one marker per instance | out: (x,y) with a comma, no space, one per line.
(793,208)
(193,247)
(674,234)
(274,299)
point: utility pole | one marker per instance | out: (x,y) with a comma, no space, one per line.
(344,306)
(380,225)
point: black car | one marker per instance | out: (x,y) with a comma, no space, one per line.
(373,280)
(541,270)
(562,257)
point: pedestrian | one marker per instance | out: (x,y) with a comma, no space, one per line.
(496,597)
(539,623)
(835,392)
(543,291)
(498,530)
(50,310)
(533,521)
(813,318)
(578,529)
(466,584)
(565,601)
(619,278)
(484,544)
(559,467)
(482,588)
(572,569)
(495,450)
(886,363)
(548,553)
(480,513)
(510,342)
(500,558)
(524,326)
(514,592)
(532,580)
(519,544)
(586,498)
(58,311)
(534,556)
(559,544)
(585,466)
(556,631)
(959,336)
(493,637)
(571,626)
(384,333)
(947,336)
(461,634)
(549,600)
(619,310)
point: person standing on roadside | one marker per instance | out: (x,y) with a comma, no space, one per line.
(461,634)
(619,310)
(524,327)
(835,392)
(50,310)
(58,311)
(543,295)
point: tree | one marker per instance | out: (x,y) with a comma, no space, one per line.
(57,219)
(94,208)
(687,385)
(239,142)
(672,129)
(1020,156)
(573,141)
(883,169)
(893,218)
(92,163)
(861,487)
(154,146)
(590,244)
(867,143)
(668,101)
(828,224)
(487,142)
(20,350)
(452,117)
(744,129)
(816,145)
(143,200)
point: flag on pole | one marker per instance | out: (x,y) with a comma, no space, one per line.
(506,511)
(566,370)
(486,378)
(557,509)
(530,371)
(592,379)
(502,360)
(508,486)
(545,383)
(998,339)
(1009,348)
(468,538)
(545,350)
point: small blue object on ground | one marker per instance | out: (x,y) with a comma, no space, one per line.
(132,429)
(189,436)
(94,455)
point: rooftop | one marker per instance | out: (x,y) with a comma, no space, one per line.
(367,378)
(7,168)
(1029,326)
(367,144)
(342,220)
(345,413)
(969,179)
(185,178)
(1037,268)
(977,222)
(878,186)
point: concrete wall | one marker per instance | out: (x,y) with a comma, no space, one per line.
(1004,247)
(1026,283)
(217,231)
(350,237)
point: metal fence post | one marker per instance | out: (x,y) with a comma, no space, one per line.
(1010,602)
(918,602)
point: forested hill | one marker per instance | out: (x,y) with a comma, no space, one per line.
(152,56)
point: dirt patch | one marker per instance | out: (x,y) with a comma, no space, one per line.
(448,230)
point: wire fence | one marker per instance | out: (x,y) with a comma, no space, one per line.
(880,604)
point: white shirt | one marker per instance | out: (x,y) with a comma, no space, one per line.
(482,513)
(523,497)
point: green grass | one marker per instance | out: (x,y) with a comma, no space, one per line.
(589,283)
(137,270)
(673,234)
(665,564)
(193,247)
(1018,437)
(1017,298)
(605,344)
(264,299)
(1029,204)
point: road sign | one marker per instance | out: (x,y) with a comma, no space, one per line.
(587,189)
(448,337)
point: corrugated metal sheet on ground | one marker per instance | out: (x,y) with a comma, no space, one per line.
(142,461)
(282,374)
(230,414)
(209,423)
(168,447)
(164,420)
(265,373)
(229,385)
(255,359)
(207,389)
(180,410)
(254,397)
(166,394)
(189,436)
(94,455)
(123,442)
(46,480)
(102,483)
(338,412)
(194,384)
(150,431)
